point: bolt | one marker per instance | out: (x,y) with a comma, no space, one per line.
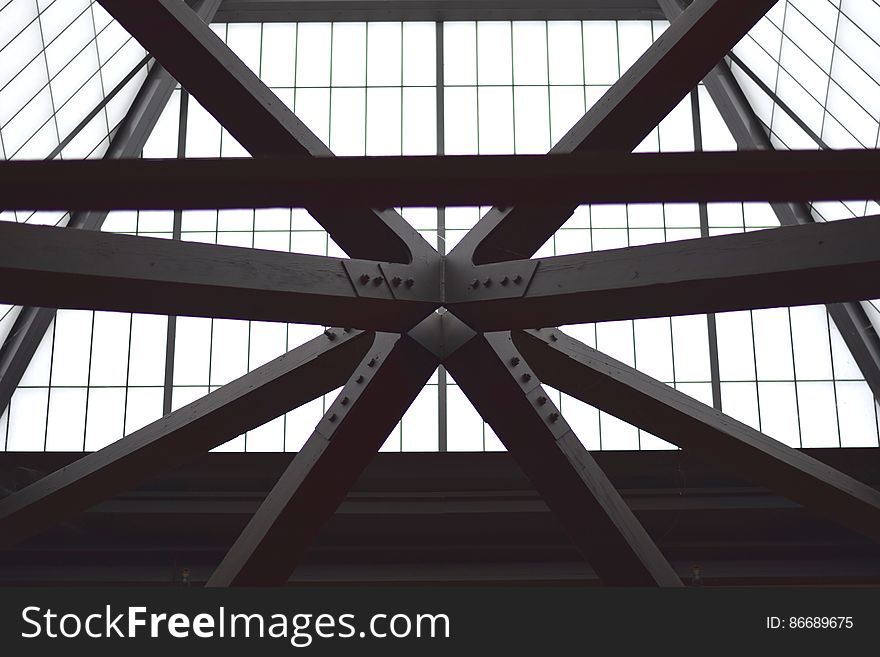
(364,279)
(505,280)
(410,282)
(487,282)
(542,400)
(330,335)
(526,377)
(553,337)
(332,417)
(553,417)
(514,361)
(344,401)
(517,279)
(372,363)
(377,281)
(346,330)
(360,379)
(475,284)
(396,281)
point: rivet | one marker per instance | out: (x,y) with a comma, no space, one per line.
(526,377)
(364,279)
(396,281)
(505,280)
(553,337)
(372,363)
(410,282)
(330,335)
(517,279)
(344,401)
(542,400)
(475,284)
(360,379)
(377,281)
(487,282)
(332,417)
(514,361)
(553,417)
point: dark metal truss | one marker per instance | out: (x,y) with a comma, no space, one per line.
(467,312)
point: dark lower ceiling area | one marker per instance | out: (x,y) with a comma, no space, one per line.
(445,518)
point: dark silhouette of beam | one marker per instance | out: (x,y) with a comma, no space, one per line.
(851,320)
(788,266)
(305,373)
(524,180)
(128,141)
(623,117)
(391,374)
(254,115)
(509,396)
(617,389)
(299,11)
(63,268)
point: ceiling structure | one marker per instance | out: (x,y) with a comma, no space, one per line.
(415,298)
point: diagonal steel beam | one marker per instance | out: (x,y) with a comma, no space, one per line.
(851,320)
(623,117)
(788,266)
(524,180)
(383,386)
(65,268)
(302,374)
(509,396)
(254,115)
(617,389)
(127,142)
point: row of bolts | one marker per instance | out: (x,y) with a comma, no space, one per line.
(409,282)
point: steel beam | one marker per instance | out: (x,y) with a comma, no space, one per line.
(452,180)
(254,115)
(127,142)
(383,386)
(623,117)
(788,266)
(299,11)
(267,392)
(850,318)
(626,393)
(63,268)
(509,396)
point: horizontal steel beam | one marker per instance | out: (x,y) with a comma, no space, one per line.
(667,71)
(62,268)
(390,376)
(524,180)
(305,373)
(225,86)
(787,266)
(510,398)
(599,380)
(299,11)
